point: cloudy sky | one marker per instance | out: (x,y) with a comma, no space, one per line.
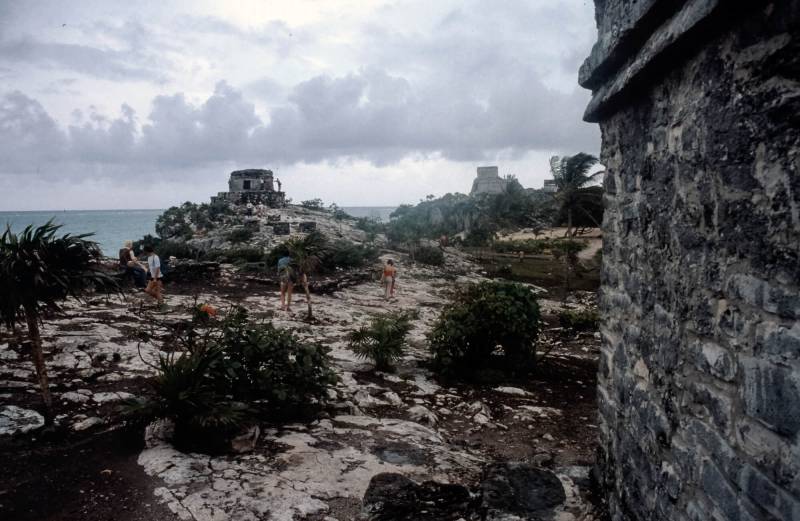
(361,102)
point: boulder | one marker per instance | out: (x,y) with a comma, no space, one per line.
(16,420)
(394,497)
(421,414)
(520,489)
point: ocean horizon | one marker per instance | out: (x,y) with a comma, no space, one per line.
(110,228)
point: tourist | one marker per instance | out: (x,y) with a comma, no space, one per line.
(131,266)
(389,279)
(155,287)
(287,278)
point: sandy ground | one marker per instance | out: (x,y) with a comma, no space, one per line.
(593,236)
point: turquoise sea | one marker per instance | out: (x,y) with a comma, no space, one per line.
(112,227)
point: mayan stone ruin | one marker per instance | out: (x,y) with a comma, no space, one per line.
(488,181)
(254,186)
(699,392)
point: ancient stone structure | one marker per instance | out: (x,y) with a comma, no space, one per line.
(488,182)
(699,393)
(253,186)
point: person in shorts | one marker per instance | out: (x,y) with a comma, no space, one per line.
(130,264)
(155,288)
(287,277)
(389,279)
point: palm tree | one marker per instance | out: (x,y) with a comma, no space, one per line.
(571,174)
(307,253)
(37,271)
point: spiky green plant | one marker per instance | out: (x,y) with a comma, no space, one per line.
(38,270)
(382,340)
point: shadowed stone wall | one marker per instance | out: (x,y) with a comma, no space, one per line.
(699,394)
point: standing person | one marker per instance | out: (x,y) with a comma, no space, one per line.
(155,287)
(287,277)
(129,263)
(389,278)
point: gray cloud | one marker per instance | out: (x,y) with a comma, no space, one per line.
(92,61)
(482,82)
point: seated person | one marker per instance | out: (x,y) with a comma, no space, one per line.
(128,262)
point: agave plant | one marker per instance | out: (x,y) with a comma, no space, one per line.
(37,271)
(382,340)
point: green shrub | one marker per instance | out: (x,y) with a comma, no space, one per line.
(429,255)
(166,248)
(240,235)
(567,247)
(231,373)
(579,320)
(313,204)
(265,364)
(382,340)
(480,236)
(346,255)
(371,227)
(531,246)
(238,255)
(487,325)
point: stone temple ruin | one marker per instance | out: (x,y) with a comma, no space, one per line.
(253,186)
(699,383)
(488,182)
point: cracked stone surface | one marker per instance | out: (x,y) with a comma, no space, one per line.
(404,422)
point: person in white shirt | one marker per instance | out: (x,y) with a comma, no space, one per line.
(155,287)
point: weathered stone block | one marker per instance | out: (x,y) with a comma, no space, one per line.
(698,106)
(281,229)
(771,394)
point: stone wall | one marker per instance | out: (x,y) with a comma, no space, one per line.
(699,394)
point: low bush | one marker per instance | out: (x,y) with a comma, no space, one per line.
(567,247)
(240,235)
(313,204)
(478,237)
(531,246)
(231,373)
(383,339)
(487,325)
(239,255)
(579,320)
(347,255)
(429,255)
(166,248)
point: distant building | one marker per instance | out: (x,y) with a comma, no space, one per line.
(254,186)
(488,182)
(550,186)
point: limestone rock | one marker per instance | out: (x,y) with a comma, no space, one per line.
(421,414)
(16,420)
(516,391)
(520,489)
(75,397)
(246,441)
(88,423)
(394,497)
(111,397)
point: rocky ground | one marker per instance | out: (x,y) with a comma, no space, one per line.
(89,467)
